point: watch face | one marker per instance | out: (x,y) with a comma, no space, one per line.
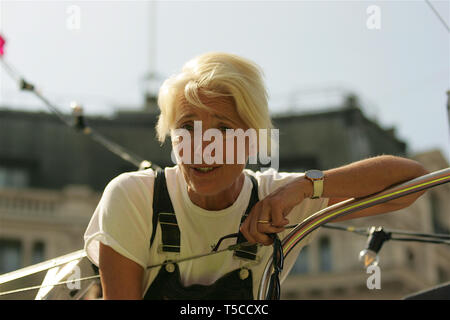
(315,174)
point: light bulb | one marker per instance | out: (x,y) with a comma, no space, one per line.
(368,257)
(77,109)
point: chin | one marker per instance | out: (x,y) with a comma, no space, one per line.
(210,179)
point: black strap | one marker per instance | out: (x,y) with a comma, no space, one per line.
(164,213)
(250,251)
(156,196)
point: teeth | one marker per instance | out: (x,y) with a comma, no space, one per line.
(204,169)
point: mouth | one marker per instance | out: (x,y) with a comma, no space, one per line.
(204,170)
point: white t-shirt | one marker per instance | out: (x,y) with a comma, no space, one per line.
(123,221)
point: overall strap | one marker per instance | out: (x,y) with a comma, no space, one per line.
(250,251)
(164,213)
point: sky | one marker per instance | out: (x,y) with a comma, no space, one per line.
(395,55)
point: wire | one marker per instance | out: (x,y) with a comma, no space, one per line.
(229,248)
(438,15)
(422,240)
(110,145)
(361,231)
(47,285)
(425,235)
(415,236)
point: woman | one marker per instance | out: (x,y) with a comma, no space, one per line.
(201,201)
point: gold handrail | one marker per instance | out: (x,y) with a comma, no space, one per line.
(349,206)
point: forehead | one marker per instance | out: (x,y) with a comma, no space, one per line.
(222,108)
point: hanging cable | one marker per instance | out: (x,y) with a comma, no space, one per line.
(378,235)
(438,15)
(79,123)
(413,236)
(365,232)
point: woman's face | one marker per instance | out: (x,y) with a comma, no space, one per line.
(221,115)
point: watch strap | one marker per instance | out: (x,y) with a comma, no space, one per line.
(316,177)
(318,189)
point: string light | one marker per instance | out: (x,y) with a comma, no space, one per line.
(369,256)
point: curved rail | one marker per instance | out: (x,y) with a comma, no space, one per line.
(349,206)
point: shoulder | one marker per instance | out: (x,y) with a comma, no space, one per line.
(121,219)
(131,184)
(131,178)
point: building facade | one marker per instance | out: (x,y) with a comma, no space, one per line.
(52,177)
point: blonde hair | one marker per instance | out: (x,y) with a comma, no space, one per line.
(216,74)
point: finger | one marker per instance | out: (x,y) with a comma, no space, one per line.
(248,236)
(245,226)
(268,228)
(245,230)
(264,215)
(278,219)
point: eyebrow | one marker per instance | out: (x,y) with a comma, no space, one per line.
(224,118)
(186,116)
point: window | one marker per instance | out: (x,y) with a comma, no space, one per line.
(442,275)
(325,255)
(15,177)
(10,255)
(410,256)
(435,212)
(302,264)
(38,254)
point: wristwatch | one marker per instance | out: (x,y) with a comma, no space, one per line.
(316,177)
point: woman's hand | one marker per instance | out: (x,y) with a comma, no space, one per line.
(269,214)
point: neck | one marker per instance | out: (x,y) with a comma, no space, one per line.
(221,200)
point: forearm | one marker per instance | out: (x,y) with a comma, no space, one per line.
(369,176)
(355,180)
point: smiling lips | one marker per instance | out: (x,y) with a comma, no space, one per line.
(203,170)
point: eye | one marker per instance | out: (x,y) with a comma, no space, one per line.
(187,126)
(224,128)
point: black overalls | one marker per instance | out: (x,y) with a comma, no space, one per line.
(237,284)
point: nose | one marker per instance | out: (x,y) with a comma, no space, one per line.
(209,148)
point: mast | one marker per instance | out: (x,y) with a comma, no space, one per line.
(151,78)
